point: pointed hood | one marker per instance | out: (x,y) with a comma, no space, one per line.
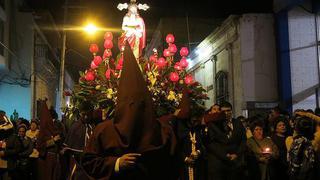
(47,128)
(134,118)
(184,105)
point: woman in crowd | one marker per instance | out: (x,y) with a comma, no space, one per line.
(23,165)
(261,152)
(301,155)
(279,138)
(33,132)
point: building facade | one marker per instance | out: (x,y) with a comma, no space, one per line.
(29,59)
(237,63)
(297,28)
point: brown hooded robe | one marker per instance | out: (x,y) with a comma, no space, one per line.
(48,163)
(134,129)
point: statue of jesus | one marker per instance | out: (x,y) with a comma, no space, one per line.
(133,27)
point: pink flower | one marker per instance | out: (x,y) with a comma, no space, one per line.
(184,51)
(170,38)
(161,63)
(97,60)
(108,35)
(172,48)
(188,79)
(183,62)
(94,48)
(108,73)
(89,76)
(153,58)
(166,53)
(108,44)
(174,77)
(93,65)
(177,66)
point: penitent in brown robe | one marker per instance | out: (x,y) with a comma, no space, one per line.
(134,129)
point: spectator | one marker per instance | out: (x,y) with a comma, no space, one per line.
(226,147)
(301,155)
(33,132)
(262,151)
(272,117)
(11,146)
(279,138)
(23,165)
(214,109)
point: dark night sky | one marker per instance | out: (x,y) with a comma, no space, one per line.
(108,16)
(106,12)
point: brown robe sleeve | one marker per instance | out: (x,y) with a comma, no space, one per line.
(94,161)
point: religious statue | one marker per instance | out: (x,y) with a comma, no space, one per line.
(133,27)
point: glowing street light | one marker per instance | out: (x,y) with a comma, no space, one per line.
(90,29)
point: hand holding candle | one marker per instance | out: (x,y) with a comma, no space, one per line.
(266,150)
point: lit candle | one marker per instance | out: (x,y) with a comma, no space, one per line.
(266,150)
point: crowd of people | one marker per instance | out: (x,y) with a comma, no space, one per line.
(279,146)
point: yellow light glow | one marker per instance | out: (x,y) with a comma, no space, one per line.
(90,28)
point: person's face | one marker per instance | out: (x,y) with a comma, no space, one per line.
(215,109)
(227,111)
(33,126)
(281,127)
(258,132)
(22,132)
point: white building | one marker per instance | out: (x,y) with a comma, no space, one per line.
(237,63)
(297,26)
(29,59)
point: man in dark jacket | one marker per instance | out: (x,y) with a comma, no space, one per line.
(226,146)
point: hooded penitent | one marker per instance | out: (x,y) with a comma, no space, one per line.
(134,118)
(47,128)
(134,129)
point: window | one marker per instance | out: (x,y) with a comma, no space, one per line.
(221,87)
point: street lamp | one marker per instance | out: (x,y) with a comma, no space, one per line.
(90,29)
